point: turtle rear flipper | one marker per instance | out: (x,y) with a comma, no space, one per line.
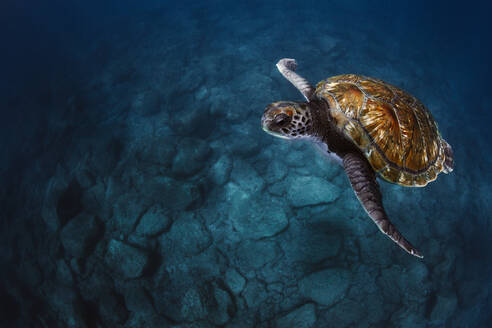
(449,161)
(363,181)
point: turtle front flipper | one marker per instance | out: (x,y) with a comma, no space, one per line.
(287,67)
(363,181)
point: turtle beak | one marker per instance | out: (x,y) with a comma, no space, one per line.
(268,125)
(265,124)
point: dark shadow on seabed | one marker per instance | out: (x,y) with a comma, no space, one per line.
(139,189)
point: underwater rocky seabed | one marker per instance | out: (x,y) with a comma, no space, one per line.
(156,200)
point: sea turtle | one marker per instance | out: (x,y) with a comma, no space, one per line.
(368,126)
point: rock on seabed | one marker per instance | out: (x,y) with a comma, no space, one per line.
(325,287)
(302,317)
(311,190)
(153,222)
(126,261)
(80,234)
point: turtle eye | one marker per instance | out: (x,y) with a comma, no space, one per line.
(282,120)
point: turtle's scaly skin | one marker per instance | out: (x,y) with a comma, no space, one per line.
(394,130)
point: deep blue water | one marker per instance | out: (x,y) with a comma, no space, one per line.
(138,189)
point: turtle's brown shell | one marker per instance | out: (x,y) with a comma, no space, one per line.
(393,129)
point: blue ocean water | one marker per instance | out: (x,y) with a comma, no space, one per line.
(139,190)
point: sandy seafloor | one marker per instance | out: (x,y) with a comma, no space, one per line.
(138,189)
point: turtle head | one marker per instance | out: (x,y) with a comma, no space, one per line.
(287,119)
